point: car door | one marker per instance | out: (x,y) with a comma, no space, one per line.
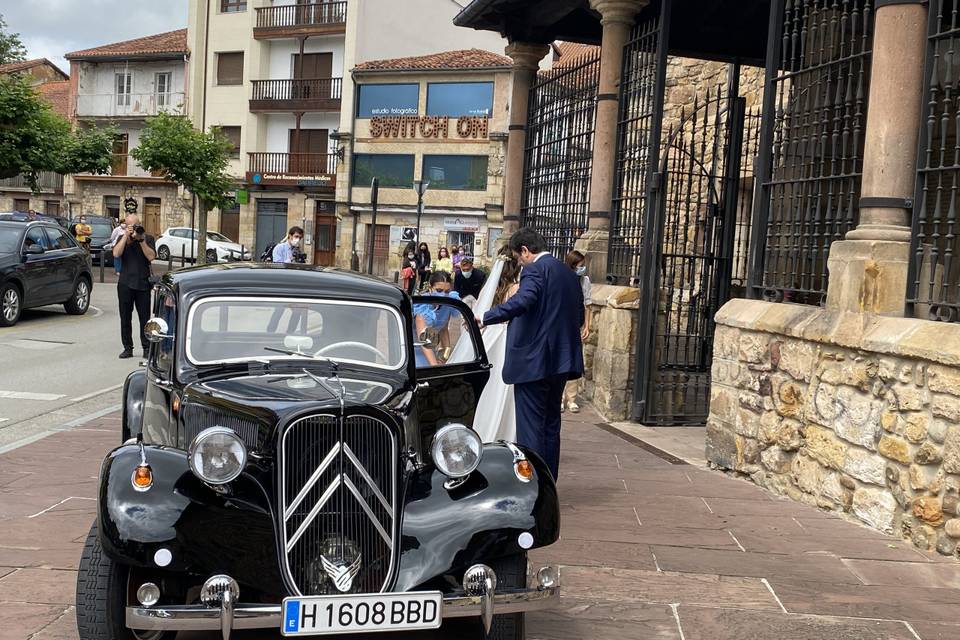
(38,268)
(67,259)
(174,242)
(451,364)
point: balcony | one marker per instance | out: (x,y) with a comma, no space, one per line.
(48,181)
(306,19)
(131,105)
(125,169)
(321,94)
(315,170)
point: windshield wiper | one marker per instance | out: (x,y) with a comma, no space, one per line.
(291,352)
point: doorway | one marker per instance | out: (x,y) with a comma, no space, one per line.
(151,216)
(121,146)
(230,221)
(381,248)
(271,223)
(325,234)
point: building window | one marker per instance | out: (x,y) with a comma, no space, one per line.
(111,206)
(21,204)
(233,135)
(230,68)
(456,99)
(394,170)
(388,100)
(51,207)
(467,173)
(461,239)
(162,87)
(233,6)
(124,85)
(493,235)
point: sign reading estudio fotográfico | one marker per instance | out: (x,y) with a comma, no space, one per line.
(429,127)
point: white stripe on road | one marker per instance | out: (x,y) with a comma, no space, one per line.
(96,393)
(50,508)
(29,395)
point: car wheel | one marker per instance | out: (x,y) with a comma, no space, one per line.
(511,574)
(163,252)
(102,597)
(11,304)
(79,302)
(211,255)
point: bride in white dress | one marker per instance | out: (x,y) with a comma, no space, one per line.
(496,416)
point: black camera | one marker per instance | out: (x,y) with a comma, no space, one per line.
(139,230)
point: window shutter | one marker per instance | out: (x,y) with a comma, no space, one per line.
(230,68)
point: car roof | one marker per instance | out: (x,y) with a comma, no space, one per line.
(257,278)
(15,223)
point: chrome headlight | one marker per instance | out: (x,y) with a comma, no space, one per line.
(217,455)
(456,450)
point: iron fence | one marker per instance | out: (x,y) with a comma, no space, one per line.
(934,281)
(559,152)
(811,156)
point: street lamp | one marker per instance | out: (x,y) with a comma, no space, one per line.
(420,186)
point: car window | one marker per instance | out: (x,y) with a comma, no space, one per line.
(441,334)
(60,239)
(101,229)
(213,235)
(36,236)
(9,240)
(162,354)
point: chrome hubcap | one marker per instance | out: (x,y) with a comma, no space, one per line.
(11,305)
(83,295)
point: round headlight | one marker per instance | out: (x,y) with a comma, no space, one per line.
(456,450)
(217,455)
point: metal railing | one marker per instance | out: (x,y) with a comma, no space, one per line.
(933,290)
(559,152)
(298,89)
(130,104)
(302,15)
(292,164)
(811,146)
(48,181)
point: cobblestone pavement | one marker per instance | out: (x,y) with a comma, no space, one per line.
(650,549)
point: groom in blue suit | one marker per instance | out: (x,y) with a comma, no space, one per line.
(544,349)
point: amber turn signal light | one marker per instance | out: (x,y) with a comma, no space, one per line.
(524,469)
(176,403)
(142,477)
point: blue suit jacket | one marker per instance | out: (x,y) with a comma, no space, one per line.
(545,316)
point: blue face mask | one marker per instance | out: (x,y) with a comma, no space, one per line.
(467,274)
(581,271)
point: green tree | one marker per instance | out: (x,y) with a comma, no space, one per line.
(196,160)
(11,48)
(33,138)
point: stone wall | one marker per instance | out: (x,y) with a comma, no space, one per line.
(849,412)
(87,197)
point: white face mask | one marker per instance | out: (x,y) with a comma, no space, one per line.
(410,255)
(581,271)
(294,242)
(467,274)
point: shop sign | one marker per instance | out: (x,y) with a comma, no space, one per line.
(130,205)
(464,224)
(429,127)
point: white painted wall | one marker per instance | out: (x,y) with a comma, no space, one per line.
(282,52)
(278,127)
(97,87)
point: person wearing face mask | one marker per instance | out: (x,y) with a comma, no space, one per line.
(458,253)
(440,315)
(286,252)
(577,262)
(408,271)
(469,281)
(443,261)
(423,264)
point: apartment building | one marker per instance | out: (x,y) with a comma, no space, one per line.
(53,86)
(122,84)
(275,75)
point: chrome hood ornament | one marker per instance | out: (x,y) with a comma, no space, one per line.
(341,574)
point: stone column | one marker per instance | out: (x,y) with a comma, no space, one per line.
(868,269)
(526,59)
(616,17)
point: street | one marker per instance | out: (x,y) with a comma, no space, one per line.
(649,549)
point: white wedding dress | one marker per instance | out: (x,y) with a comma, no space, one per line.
(496,415)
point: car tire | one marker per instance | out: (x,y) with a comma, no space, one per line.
(102,597)
(163,252)
(79,302)
(212,255)
(511,574)
(11,304)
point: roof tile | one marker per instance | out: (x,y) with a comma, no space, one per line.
(172,42)
(23,65)
(460,59)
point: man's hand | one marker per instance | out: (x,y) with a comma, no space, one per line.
(479,320)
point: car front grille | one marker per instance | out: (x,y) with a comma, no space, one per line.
(338,497)
(197,417)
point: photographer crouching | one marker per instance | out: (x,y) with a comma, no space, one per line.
(135,250)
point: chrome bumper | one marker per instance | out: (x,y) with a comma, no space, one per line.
(260,616)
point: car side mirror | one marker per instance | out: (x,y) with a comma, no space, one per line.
(33,250)
(156,330)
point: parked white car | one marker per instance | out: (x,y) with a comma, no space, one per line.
(182,242)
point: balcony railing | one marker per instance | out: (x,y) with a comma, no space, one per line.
(112,105)
(292,19)
(308,169)
(321,94)
(47,181)
(122,165)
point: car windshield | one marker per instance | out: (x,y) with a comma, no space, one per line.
(237,329)
(101,228)
(9,240)
(213,235)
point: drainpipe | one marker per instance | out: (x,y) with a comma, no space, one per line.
(355,257)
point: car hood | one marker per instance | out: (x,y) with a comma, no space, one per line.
(295,387)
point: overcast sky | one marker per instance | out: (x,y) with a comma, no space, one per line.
(51,28)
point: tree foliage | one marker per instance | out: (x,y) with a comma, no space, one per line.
(33,138)
(11,48)
(196,160)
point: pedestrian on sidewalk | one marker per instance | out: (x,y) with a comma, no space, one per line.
(544,347)
(443,261)
(469,281)
(577,263)
(287,252)
(423,265)
(118,231)
(135,250)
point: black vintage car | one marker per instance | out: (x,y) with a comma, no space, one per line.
(297,455)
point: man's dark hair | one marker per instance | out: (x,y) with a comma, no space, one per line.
(527,237)
(440,276)
(294,230)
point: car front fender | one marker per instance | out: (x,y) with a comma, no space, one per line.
(445,531)
(134,393)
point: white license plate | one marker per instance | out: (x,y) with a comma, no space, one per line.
(320,615)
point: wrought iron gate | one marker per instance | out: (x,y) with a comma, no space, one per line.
(559,152)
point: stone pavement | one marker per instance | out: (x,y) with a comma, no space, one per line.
(650,549)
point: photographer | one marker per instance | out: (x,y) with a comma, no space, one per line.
(135,250)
